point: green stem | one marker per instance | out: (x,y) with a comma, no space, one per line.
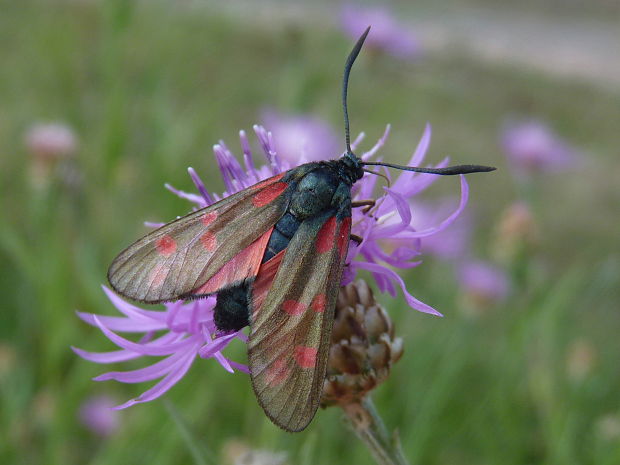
(369,427)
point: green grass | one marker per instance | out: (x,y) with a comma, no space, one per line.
(149,89)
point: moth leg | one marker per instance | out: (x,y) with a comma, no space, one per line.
(363,203)
(368,204)
(356,238)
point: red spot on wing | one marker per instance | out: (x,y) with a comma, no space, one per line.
(166,245)
(269,194)
(325,237)
(209,218)
(209,241)
(343,237)
(305,356)
(277,372)
(292,307)
(318,303)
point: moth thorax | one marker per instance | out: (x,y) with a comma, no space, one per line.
(314,193)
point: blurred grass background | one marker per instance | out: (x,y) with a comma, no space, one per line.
(149,87)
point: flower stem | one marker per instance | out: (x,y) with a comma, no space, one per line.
(369,427)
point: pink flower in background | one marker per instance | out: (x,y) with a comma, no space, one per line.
(532,147)
(98,415)
(51,140)
(388,34)
(483,282)
(302,138)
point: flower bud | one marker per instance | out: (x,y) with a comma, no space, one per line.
(363,346)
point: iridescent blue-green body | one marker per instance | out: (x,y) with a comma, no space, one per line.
(319,187)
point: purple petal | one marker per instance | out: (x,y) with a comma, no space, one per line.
(239,366)
(157,370)
(198,200)
(412,301)
(380,143)
(122,324)
(164,385)
(223,361)
(151,224)
(358,140)
(445,223)
(106,357)
(144,349)
(209,349)
(404,210)
(248,160)
(416,159)
(200,186)
(131,310)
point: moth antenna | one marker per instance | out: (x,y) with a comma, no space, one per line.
(448,171)
(345,84)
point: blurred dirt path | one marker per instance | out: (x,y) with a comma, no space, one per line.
(569,47)
(574,47)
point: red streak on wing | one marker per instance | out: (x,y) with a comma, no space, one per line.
(305,356)
(318,303)
(166,245)
(209,218)
(269,194)
(325,237)
(268,181)
(264,279)
(343,236)
(245,264)
(292,307)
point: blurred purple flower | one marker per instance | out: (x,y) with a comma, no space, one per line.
(51,141)
(186,330)
(98,415)
(532,147)
(301,138)
(387,34)
(483,282)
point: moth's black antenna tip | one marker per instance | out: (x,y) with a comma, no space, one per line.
(345,84)
(447,171)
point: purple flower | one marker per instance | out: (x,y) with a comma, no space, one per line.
(387,33)
(98,415)
(532,147)
(185,331)
(483,282)
(301,138)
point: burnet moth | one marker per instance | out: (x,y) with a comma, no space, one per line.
(274,255)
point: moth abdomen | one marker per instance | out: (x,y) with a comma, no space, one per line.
(231,311)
